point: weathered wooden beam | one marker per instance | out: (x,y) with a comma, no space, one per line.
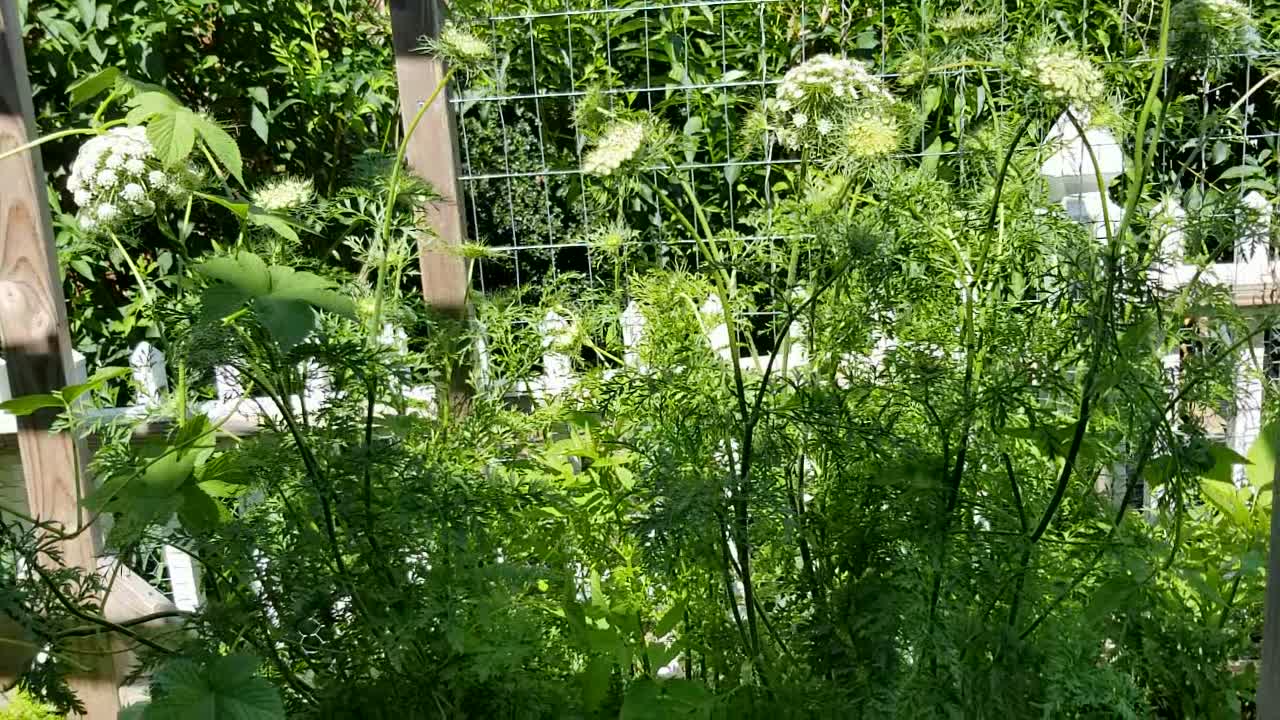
(432,153)
(1269,674)
(35,343)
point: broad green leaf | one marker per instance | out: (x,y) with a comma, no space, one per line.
(136,711)
(28,404)
(659,654)
(595,681)
(669,619)
(221,145)
(1111,595)
(290,284)
(221,488)
(929,100)
(91,86)
(244,271)
(241,209)
(1240,171)
(649,699)
(625,477)
(225,689)
(200,513)
(136,514)
(643,701)
(1224,461)
(100,378)
(148,104)
(598,598)
(276,223)
(167,469)
(173,135)
(219,301)
(288,321)
(248,273)
(1226,498)
(1262,456)
(259,124)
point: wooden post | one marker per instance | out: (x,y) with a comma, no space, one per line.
(1269,673)
(33,335)
(432,153)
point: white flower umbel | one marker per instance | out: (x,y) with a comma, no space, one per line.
(115,177)
(283,194)
(620,142)
(1066,77)
(822,94)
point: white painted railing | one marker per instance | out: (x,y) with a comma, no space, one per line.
(150,379)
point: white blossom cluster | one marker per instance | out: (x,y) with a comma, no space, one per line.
(1065,76)
(827,101)
(116,178)
(621,141)
(823,83)
(458,46)
(284,194)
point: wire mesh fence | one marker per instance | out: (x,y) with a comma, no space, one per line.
(703,66)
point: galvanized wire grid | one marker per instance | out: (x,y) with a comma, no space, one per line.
(521,156)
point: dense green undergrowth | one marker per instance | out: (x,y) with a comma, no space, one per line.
(910,492)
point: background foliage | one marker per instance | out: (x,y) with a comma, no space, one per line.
(921,538)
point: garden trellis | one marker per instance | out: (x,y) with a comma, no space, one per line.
(528,197)
(518,179)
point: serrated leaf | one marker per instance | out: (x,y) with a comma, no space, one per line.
(172,135)
(288,321)
(87,88)
(150,103)
(221,145)
(199,512)
(226,689)
(244,271)
(276,223)
(28,404)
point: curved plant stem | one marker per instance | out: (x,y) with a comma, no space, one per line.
(58,136)
(137,275)
(393,191)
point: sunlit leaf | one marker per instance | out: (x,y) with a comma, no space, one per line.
(28,404)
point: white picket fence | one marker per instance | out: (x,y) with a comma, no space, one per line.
(1073,183)
(243,413)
